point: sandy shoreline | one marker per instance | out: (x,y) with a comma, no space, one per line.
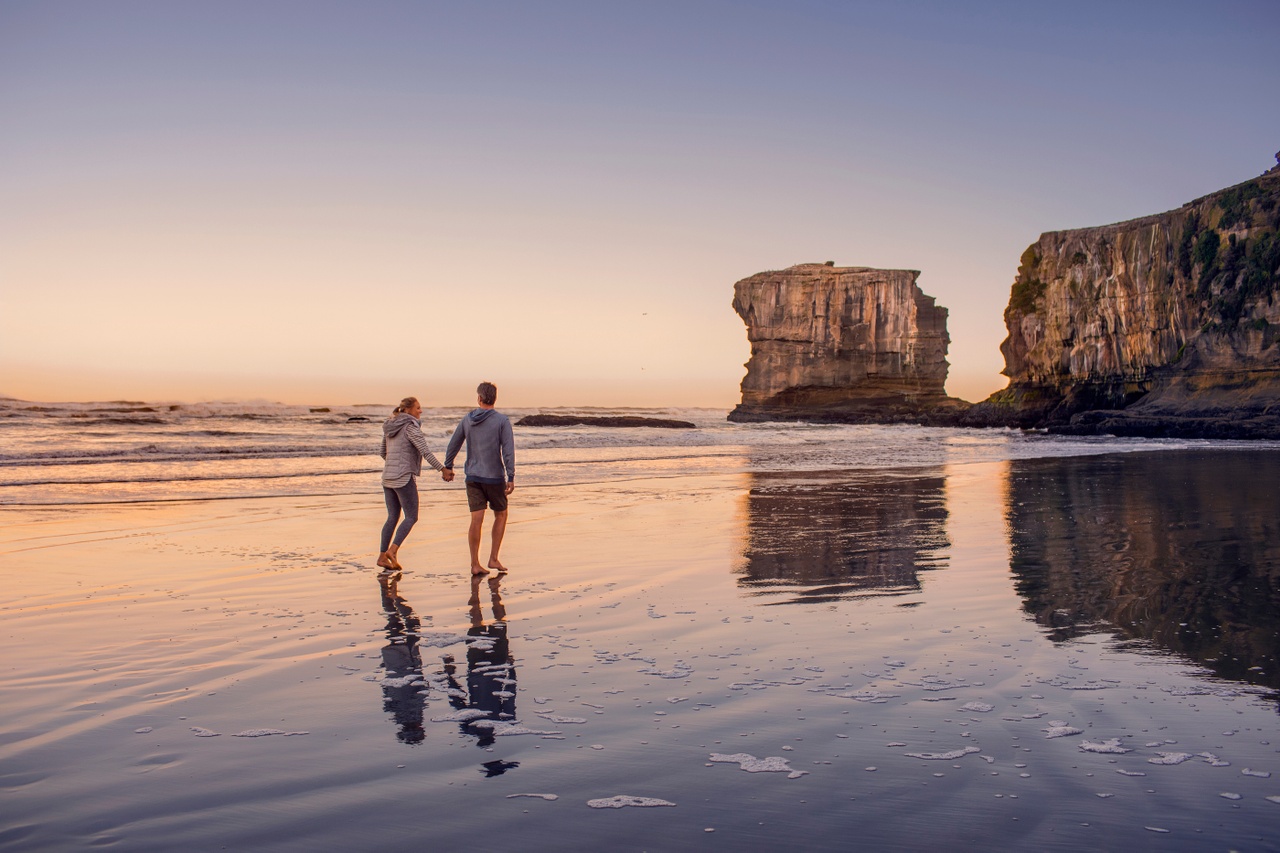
(643,637)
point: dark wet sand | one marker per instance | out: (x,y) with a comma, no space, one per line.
(842,625)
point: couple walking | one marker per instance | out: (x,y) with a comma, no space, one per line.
(490,473)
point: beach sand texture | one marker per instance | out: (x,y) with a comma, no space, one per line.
(995,655)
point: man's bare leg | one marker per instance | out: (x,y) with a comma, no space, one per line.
(473,542)
(499,528)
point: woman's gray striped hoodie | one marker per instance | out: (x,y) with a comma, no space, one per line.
(404,447)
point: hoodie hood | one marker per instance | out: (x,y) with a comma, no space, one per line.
(392,426)
(478,416)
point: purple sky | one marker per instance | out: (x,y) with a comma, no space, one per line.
(350,202)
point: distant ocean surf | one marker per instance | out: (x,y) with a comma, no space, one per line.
(123,451)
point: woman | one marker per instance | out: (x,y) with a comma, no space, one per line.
(403,447)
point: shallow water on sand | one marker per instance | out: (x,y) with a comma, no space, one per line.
(1060,653)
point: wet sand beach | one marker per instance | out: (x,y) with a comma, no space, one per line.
(1066,653)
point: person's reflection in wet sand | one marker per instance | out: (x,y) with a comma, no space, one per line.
(402,685)
(491,672)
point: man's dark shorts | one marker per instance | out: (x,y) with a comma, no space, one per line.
(493,494)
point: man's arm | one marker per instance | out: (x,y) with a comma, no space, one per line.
(508,440)
(455,444)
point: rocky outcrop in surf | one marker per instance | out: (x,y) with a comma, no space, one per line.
(1161,326)
(843,344)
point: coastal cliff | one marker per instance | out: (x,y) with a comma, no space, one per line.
(1161,326)
(843,344)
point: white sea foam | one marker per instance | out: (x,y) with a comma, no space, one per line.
(1059,728)
(440,640)
(465,715)
(1261,774)
(1110,746)
(501,729)
(751,764)
(873,696)
(204,732)
(935,683)
(144,730)
(258,733)
(558,720)
(1170,758)
(977,707)
(624,801)
(535,796)
(944,756)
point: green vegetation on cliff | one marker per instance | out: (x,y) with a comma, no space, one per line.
(1232,274)
(1027,289)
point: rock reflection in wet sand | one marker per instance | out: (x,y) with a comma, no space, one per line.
(854,534)
(1181,549)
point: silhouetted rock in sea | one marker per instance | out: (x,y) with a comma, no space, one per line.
(1162,326)
(843,344)
(604,421)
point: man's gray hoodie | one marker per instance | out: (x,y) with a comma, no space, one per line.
(491,447)
(404,447)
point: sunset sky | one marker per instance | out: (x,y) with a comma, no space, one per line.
(321,202)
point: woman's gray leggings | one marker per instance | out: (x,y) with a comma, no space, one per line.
(404,498)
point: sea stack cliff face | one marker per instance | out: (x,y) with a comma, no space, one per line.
(1161,326)
(846,344)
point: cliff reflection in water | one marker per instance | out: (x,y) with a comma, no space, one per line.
(866,533)
(1180,548)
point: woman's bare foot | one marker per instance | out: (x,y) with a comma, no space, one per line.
(494,564)
(479,570)
(385,562)
(391,555)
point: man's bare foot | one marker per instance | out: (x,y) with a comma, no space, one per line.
(479,570)
(494,564)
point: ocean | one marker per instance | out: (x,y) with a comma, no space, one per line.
(119,451)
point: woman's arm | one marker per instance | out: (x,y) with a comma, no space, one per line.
(420,442)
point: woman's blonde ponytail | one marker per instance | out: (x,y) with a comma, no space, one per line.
(405,405)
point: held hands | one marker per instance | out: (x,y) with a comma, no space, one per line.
(447,475)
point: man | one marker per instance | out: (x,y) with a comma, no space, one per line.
(491,454)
